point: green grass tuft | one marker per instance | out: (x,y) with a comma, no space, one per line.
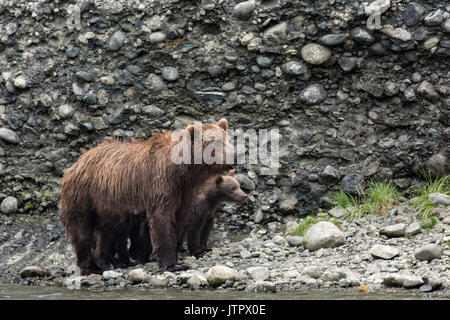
(421,192)
(378,198)
(303,226)
(430,222)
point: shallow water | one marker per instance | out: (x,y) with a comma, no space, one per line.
(17,292)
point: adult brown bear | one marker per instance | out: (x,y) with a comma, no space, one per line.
(114,180)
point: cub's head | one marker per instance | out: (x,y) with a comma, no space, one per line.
(229,188)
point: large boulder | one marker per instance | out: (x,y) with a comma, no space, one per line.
(219,274)
(323,234)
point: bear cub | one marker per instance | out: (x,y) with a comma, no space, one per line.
(211,196)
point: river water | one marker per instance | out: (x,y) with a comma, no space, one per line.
(18,292)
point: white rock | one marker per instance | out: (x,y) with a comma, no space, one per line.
(383,252)
(21,82)
(259,273)
(377,7)
(219,274)
(137,276)
(429,252)
(439,199)
(9,205)
(323,234)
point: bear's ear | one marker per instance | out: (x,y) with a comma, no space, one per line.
(223,123)
(231,173)
(190,129)
(219,180)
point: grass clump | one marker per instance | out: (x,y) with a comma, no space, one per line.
(421,194)
(379,198)
(430,222)
(303,226)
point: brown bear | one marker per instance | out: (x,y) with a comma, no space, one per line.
(114,180)
(211,196)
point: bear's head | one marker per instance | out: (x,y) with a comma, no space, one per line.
(210,145)
(229,188)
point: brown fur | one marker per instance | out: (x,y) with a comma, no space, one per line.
(116,179)
(213,193)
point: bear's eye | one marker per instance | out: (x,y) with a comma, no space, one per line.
(233,188)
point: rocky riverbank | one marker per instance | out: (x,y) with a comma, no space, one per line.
(374,253)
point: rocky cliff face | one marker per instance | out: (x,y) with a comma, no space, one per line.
(357,90)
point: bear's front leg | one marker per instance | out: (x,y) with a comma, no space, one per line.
(164,240)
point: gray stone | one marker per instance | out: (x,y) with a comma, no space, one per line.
(245,182)
(90,97)
(263,62)
(333,274)
(439,199)
(259,273)
(313,272)
(439,164)
(337,212)
(347,64)
(111,274)
(72,52)
(157,37)
(212,96)
(261,287)
(244,9)
(276,34)
(65,111)
(412,229)
(9,135)
(169,73)
(434,18)
(295,68)
(288,203)
(379,251)
(330,175)
(153,111)
(409,95)
(219,274)
(429,252)
(323,234)
(21,82)
(400,34)
(116,41)
(427,89)
(313,94)
(9,205)
(413,13)
(85,76)
(446,25)
(402,280)
(353,183)
(377,7)
(34,272)
(159,281)
(138,275)
(155,83)
(395,230)
(333,39)
(315,54)
(361,36)
(391,89)
(294,241)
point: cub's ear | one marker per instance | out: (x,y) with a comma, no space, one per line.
(231,173)
(223,123)
(190,129)
(219,180)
